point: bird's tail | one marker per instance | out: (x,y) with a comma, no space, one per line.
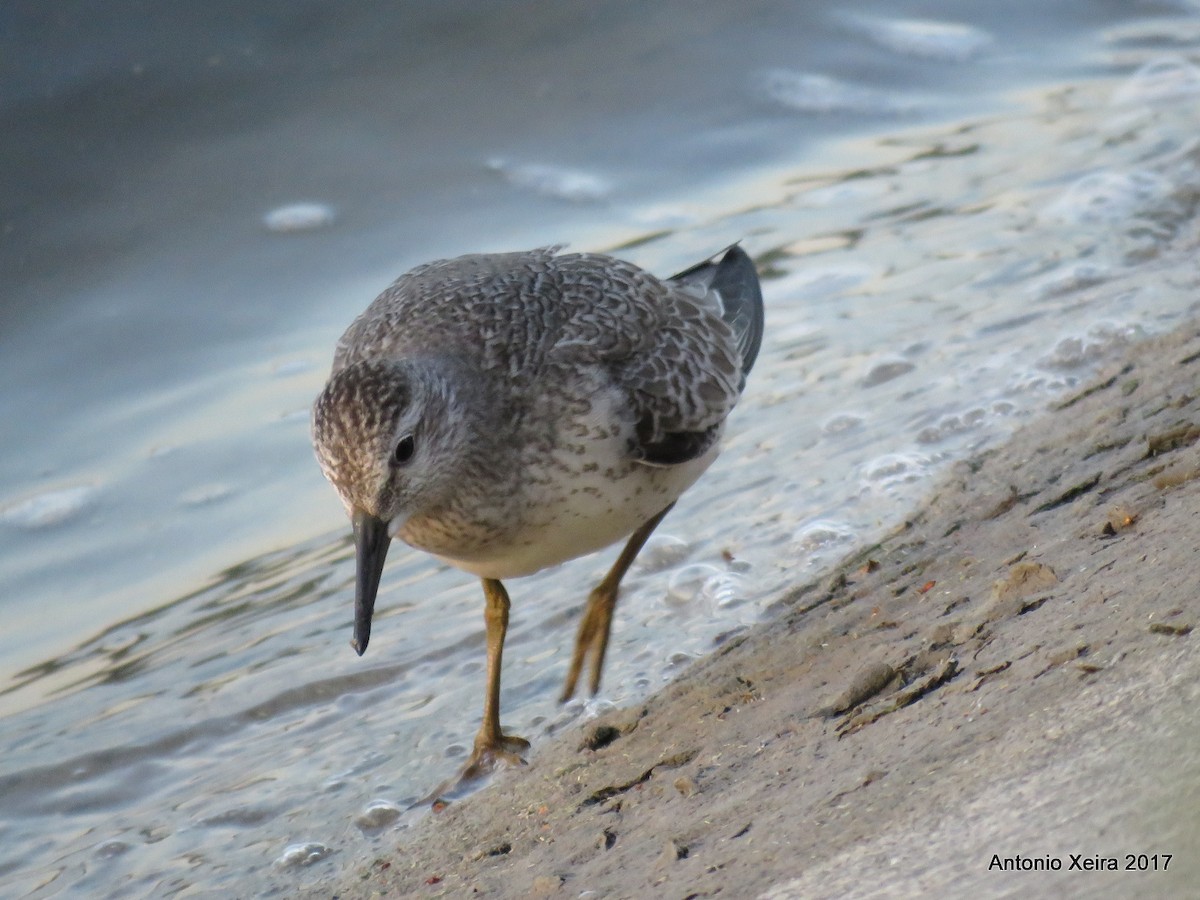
(734,280)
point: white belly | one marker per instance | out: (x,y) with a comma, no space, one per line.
(590,514)
(575,498)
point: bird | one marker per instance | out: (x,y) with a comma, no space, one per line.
(507,412)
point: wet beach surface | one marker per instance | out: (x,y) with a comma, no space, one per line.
(995,700)
(957,221)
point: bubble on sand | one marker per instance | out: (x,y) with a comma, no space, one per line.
(595,707)
(724,590)
(48,508)
(686,585)
(950,425)
(822,535)
(676,661)
(662,551)
(1099,341)
(892,470)
(296,856)
(297,217)
(378,814)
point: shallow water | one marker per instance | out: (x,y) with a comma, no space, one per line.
(956,219)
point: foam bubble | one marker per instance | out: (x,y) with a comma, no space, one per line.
(553,181)
(1110,197)
(297,856)
(821,535)
(676,661)
(950,425)
(662,551)
(595,707)
(812,93)
(1099,341)
(686,585)
(925,38)
(892,470)
(299,217)
(1167,78)
(724,590)
(377,814)
(48,508)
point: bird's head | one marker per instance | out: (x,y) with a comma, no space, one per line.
(391,440)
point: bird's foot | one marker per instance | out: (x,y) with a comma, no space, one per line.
(489,755)
(495,753)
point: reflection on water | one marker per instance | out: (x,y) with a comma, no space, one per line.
(926,292)
(242,595)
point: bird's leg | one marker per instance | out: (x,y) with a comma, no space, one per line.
(492,746)
(592,639)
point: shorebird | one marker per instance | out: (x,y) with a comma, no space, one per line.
(508,412)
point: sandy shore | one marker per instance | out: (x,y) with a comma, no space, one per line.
(1011,674)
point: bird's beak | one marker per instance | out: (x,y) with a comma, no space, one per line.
(371,542)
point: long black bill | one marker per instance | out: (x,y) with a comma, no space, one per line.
(371,543)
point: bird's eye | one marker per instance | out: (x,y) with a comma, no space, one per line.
(405,448)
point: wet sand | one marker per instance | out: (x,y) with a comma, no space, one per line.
(1012,673)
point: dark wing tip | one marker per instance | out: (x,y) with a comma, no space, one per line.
(735,279)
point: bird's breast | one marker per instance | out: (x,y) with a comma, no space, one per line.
(564,519)
(574,490)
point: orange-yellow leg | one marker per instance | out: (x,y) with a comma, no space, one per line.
(594,629)
(492,746)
